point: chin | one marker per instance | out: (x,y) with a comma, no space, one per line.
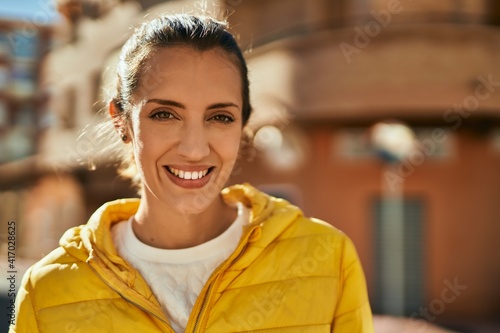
(196,203)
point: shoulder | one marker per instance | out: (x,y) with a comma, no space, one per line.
(320,236)
(295,225)
(52,267)
(307,237)
(57,279)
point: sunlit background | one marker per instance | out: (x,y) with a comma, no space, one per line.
(381,117)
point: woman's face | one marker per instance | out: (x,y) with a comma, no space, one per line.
(186,126)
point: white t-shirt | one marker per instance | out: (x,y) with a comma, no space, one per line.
(177,277)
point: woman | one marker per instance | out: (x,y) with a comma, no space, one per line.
(191,256)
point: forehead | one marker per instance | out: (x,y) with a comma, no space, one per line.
(183,72)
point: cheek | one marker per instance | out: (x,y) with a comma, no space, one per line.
(146,148)
(147,137)
(149,146)
(229,147)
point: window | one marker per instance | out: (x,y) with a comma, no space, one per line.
(5,49)
(24,44)
(23,79)
(353,143)
(412,213)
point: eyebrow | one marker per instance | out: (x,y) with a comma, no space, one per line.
(168,102)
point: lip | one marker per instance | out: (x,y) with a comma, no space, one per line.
(189,167)
(189,183)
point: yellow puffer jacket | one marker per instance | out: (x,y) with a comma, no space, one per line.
(288,274)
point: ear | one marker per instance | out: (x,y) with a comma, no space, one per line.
(115,115)
(118,121)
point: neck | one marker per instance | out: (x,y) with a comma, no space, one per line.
(161,226)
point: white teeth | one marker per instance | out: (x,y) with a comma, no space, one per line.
(188,174)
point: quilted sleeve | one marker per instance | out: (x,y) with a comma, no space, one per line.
(353,313)
(25,321)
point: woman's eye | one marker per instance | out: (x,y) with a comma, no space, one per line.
(162,115)
(222,118)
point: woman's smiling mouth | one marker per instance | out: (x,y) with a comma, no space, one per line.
(189,178)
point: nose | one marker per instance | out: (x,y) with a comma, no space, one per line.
(193,143)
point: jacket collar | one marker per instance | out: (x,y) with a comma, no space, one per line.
(93,241)
(270,217)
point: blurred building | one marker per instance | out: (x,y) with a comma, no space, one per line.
(337,68)
(324,73)
(22,105)
(20,52)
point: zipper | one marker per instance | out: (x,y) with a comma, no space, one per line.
(128,299)
(213,280)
